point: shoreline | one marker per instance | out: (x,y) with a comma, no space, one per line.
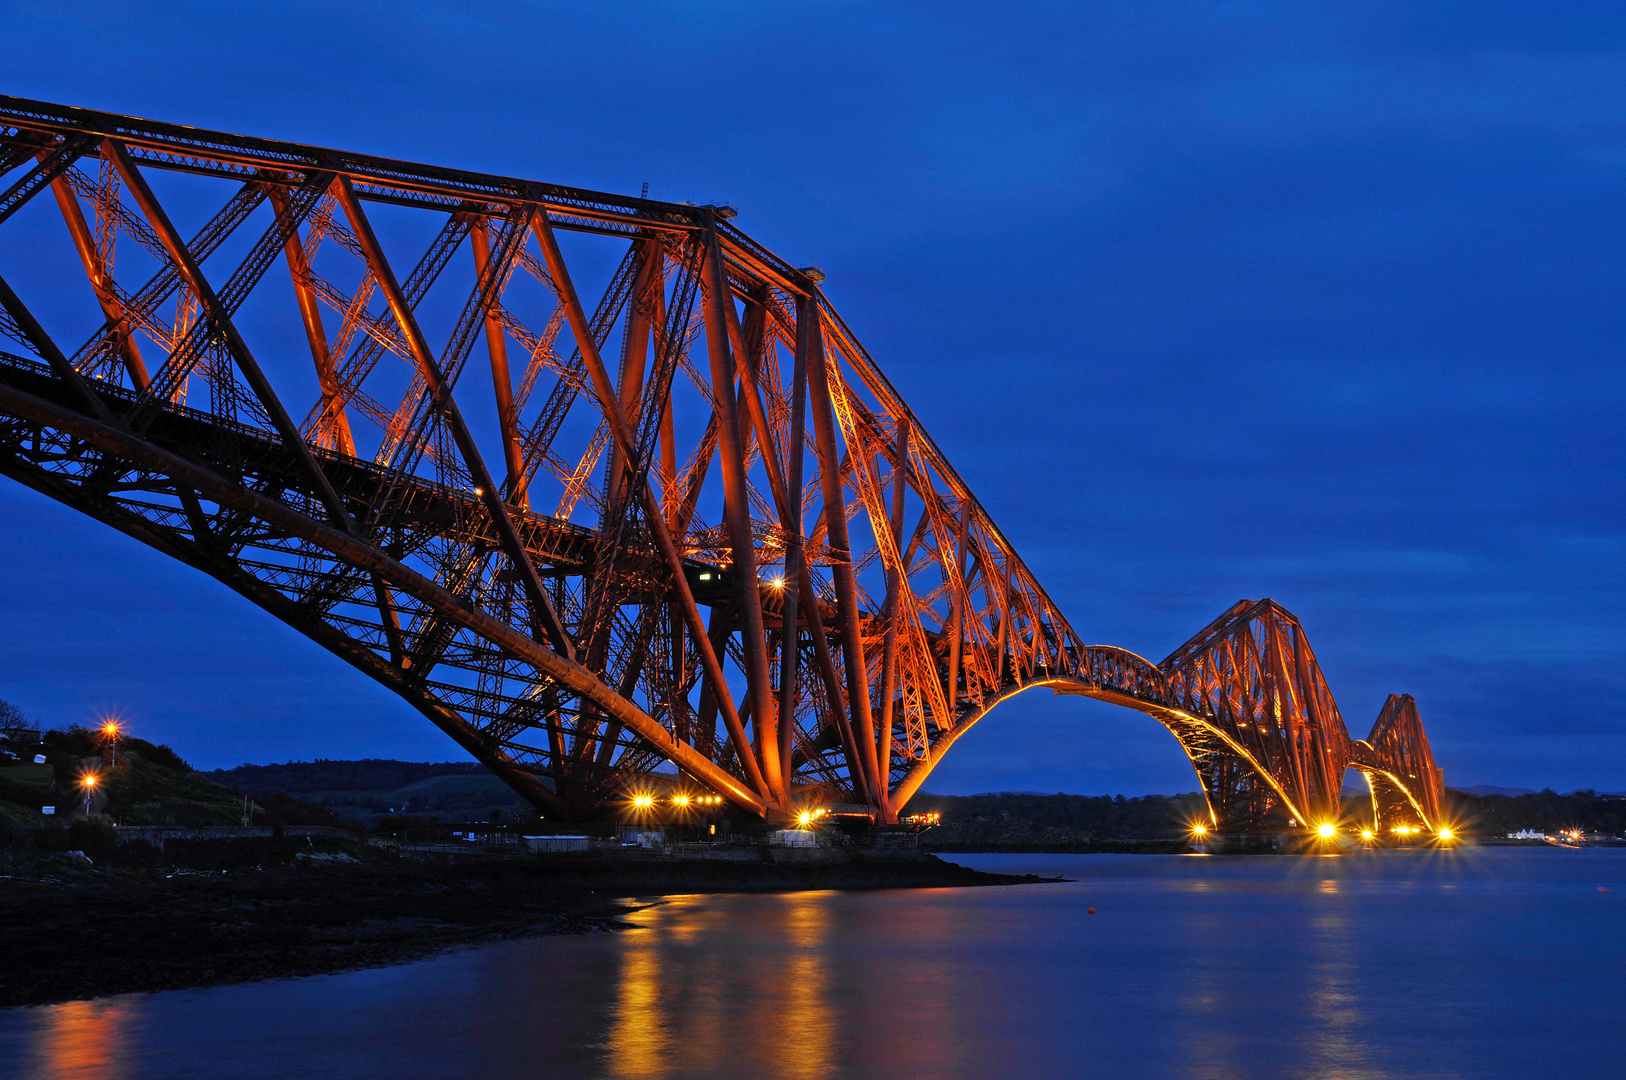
(72,931)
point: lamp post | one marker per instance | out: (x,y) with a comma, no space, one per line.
(89,784)
(110,739)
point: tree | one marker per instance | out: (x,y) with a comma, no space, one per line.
(10,716)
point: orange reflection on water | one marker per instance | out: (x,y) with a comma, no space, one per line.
(682,998)
(640,1035)
(806,1026)
(83,1040)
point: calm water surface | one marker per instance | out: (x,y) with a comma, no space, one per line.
(1489,963)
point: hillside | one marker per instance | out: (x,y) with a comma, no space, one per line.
(373,789)
(143,783)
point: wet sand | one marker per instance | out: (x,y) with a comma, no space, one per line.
(70,931)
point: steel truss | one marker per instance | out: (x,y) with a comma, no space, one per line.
(700,485)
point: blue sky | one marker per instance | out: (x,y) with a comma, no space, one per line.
(1206,302)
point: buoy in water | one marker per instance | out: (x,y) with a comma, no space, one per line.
(1092,911)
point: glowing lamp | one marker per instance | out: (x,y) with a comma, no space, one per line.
(1366,834)
(1446,834)
(90,780)
(1328,831)
(1199,830)
(804,818)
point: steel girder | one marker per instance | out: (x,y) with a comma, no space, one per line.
(734,497)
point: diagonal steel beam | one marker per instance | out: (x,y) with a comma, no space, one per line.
(835,527)
(50,166)
(440,395)
(502,380)
(216,313)
(37,337)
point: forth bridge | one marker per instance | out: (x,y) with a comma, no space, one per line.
(687,523)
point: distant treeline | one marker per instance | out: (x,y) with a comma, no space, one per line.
(1028,818)
(368,774)
(1545,811)
(1018,820)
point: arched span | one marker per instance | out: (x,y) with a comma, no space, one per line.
(697,481)
(1195,735)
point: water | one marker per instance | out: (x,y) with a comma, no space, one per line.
(1472,963)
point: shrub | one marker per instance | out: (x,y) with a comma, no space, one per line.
(95,835)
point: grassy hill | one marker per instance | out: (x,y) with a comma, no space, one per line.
(145,784)
(373,789)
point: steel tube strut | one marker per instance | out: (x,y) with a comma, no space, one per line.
(736,510)
(611,407)
(835,528)
(310,314)
(501,381)
(97,271)
(897,581)
(790,624)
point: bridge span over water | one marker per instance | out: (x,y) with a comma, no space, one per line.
(595,483)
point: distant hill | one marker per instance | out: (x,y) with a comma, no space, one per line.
(367,774)
(1492,789)
(374,788)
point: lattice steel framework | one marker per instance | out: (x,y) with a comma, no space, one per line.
(693,523)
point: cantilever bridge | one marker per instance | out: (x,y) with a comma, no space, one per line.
(680,517)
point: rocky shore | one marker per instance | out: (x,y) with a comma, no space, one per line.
(237,911)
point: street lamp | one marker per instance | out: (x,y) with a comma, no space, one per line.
(110,739)
(88,782)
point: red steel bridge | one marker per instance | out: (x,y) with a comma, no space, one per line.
(679,516)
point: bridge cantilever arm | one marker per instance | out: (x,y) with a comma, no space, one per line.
(566,673)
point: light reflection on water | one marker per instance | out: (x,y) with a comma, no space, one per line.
(85,1038)
(679,996)
(1487,963)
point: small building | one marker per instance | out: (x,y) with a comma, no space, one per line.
(548,845)
(793,838)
